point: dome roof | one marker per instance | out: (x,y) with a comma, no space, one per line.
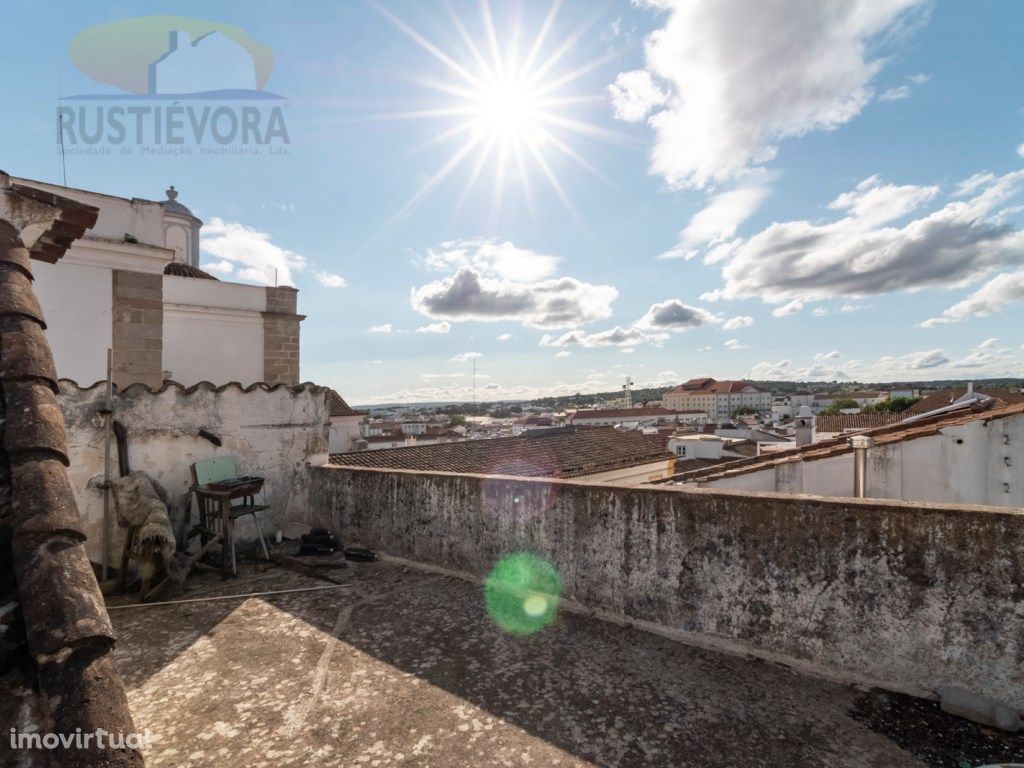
(171,204)
(181,269)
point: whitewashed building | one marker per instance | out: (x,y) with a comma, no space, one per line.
(133,284)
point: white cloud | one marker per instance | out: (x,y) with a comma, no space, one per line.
(717,222)
(614,337)
(224,267)
(442,327)
(768,370)
(734,344)
(989,299)
(973,183)
(895,94)
(741,76)
(833,355)
(382,328)
(863,254)
(789,308)
(634,95)
(563,353)
(250,253)
(740,321)
(505,337)
(674,315)
(465,357)
(498,281)
(329,280)
(1020,150)
(986,355)
(913,361)
(873,203)
(490,257)
(986,358)
(919,79)
(429,376)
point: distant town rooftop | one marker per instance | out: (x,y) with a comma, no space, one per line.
(561,452)
(988,410)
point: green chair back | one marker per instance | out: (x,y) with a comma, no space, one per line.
(214,470)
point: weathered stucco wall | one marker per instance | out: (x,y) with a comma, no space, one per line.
(271,432)
(910,596)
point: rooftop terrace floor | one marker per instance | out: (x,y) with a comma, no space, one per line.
(405,667)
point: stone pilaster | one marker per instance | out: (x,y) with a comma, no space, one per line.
(138,331)
(281,336)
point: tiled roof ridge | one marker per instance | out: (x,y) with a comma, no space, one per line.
(839,445)
(65,627)
(204,385)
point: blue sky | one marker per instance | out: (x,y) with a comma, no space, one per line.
(779,190)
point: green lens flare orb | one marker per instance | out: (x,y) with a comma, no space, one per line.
(522,593)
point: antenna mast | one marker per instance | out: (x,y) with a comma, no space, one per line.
(627,392)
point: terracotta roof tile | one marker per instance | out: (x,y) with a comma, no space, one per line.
(839,422)
(336,406)
(561,452)
(63,635)
(626,413)
(182,269)
(945,397)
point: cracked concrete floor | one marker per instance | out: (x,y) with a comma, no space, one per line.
(404,667)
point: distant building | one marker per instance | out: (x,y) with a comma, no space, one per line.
(718,399)
(382,435)
(590,454)
(635,417)
(872,397)
(529,423)
(343,432)
(133,284)
(967,453)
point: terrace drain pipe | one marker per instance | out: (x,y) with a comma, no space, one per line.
(860,445)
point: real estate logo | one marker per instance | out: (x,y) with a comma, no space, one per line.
(182,85)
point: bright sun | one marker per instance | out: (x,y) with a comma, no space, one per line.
(510,110)
(504,104)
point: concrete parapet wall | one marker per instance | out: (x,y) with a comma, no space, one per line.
(905,595)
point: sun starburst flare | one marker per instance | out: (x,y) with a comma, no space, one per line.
(504,109)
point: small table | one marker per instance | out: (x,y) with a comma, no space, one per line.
(210,498)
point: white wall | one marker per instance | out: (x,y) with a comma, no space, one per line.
(213,331)
(975,463)
(343,430)
(644,473)
(270,433)
(77,304)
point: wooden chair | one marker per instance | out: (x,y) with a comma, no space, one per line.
(219,509)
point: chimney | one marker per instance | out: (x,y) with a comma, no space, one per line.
(860,445)
(804,423)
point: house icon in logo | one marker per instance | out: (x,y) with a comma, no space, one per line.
(210,62)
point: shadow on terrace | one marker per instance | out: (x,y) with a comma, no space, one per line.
(405,667)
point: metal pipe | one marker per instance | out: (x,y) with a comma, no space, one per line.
(107,418)
(860,445)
